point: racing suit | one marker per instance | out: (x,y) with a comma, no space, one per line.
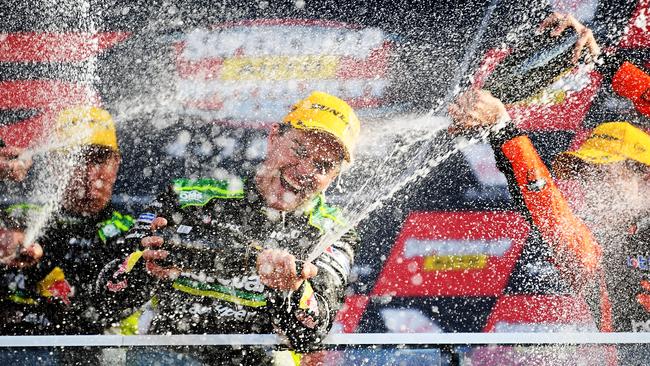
(55,295)
(618,279)
(630,280)
(226,295)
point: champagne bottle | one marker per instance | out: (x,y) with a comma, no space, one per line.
(532,65)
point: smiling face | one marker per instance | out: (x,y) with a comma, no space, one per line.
(91,186)
(299,165)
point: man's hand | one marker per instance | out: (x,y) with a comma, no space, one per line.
(277,270)
(13,252)
(11,167)
(154,254)
(561,22)
(475,109)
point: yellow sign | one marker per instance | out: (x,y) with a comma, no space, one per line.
(455,262)
(280,68)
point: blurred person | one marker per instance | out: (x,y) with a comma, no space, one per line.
(610,171)
(597,225)
(261,224)
(47,285)
(591,233)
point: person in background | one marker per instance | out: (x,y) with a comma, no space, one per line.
(598,233)
(47,285)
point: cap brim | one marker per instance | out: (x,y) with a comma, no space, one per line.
(593,156)
(315,123)
(346,154)
(567,163)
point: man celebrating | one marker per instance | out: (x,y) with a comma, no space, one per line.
(240,238)
(47,286)
(599,237)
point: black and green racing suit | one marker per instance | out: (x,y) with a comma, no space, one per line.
(226,295)
(55,296)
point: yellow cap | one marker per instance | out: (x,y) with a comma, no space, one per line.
(612,142)
(80,126)
(324,112)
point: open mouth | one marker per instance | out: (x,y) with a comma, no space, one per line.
(288,185)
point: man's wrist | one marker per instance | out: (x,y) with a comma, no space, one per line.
(504,130)
(298,284)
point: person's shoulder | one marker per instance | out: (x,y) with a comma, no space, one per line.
(199,192)
(17,214)
(20,208)
(113,224)
(325,216)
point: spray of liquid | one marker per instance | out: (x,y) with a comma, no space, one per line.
(61,171)
(56,170)
(413,157)
(51,180)
(372,194)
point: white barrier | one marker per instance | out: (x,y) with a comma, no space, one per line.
(339,339)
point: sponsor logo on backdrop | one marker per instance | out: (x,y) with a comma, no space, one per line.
(449,255)
(250,72)
(401,320)
(454,262)
(31,102)
(453,254)
(540,313)
(638,30)
(422,247)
